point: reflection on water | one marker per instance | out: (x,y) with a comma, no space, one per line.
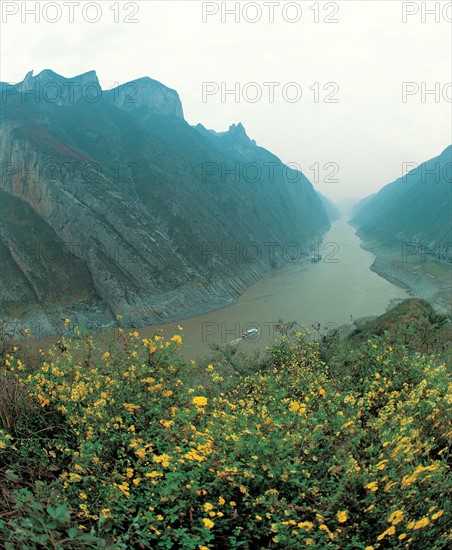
(328,293)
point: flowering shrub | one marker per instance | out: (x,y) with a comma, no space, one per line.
(122,449)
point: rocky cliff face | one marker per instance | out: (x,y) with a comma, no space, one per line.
(146,96)
(111,207)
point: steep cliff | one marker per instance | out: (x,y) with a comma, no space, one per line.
(114,205)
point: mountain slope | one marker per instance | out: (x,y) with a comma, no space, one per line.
(331,209)
(139,204)
(408,226)
(414,208)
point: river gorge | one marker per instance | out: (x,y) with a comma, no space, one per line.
(339,287)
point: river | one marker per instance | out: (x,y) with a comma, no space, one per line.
(339,287)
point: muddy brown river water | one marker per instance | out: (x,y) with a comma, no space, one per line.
(330,292)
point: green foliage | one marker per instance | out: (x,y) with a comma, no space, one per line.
(147,450)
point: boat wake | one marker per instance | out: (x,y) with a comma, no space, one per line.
(236,341)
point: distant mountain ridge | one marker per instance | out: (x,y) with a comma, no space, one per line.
(332,211)
(416,207)
(143,94)
(112,204)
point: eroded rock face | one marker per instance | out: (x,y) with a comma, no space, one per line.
(107,208)
(148,96)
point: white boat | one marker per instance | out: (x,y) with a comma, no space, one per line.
(251,332)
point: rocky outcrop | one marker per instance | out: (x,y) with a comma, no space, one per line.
(146,95)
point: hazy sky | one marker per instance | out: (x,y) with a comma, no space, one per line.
(361,61)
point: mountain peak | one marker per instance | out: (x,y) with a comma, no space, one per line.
(144,92)
(55,89)
(238,132)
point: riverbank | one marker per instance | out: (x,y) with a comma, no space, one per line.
(322,296)
(428,280)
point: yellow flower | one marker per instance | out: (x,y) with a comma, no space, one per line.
(163,459)
(106,355)
(221,501)
(199,401)
(208,523)
(106,512)
(203,548)
(308,525)
(438,514)
(389,531)
(131,407)
(421,523)
(347,424)
(141,453)
(75,477)
(342,516)
(166,423)
(208,507)
(396,517)
(373,486)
